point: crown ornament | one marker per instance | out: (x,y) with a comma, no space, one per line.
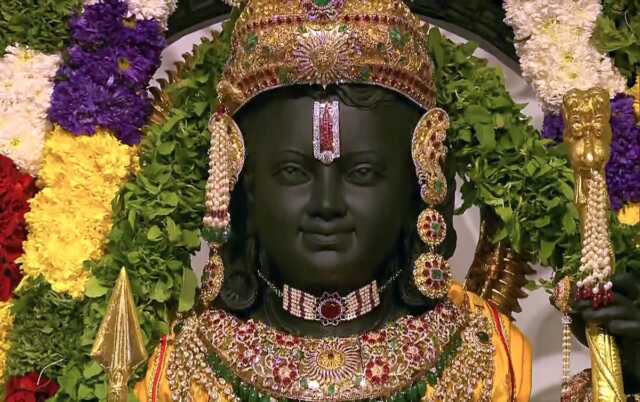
(279,43)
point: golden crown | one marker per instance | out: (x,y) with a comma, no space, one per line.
(278,43)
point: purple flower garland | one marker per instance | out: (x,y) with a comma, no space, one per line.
(107,68)
(623,169)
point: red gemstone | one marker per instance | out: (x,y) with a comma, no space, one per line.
(357,17)
(366,18)
(347,18)
(331,310)
(376,18)
(326,131)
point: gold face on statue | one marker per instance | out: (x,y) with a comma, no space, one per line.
(587,130)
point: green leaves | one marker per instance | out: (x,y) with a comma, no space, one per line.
(503,163)
(188,291)
(617,32)
(41,25)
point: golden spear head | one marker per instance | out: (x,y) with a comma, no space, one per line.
(119,347)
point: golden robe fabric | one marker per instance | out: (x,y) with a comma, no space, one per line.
(512,360)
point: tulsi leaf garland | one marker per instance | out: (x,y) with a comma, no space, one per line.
(40,25)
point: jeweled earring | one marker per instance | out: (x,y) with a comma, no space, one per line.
(226,158)
(431,272)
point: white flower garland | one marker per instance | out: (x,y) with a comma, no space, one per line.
(26,84)
(552,39)
(160,10)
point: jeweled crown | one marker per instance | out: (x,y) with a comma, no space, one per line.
(278,43)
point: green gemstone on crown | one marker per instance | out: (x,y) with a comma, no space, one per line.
(321,3)
(439,186)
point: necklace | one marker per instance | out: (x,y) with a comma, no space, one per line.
(448,349)
(330,308)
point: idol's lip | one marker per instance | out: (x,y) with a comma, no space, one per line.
(325,231)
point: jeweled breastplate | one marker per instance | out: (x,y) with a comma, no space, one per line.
(444,349)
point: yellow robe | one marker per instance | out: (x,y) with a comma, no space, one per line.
(512,361)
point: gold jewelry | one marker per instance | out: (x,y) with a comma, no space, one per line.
(431,272)
(226,158)
(448,349)
(281,43)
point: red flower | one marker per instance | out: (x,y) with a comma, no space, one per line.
(28,389)
(15,190)
(10,276)
(284,373)
(245,331)
(375,338)
(287,340)
(377,371)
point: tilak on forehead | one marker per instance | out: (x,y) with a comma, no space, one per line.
(278,43)
(326,131)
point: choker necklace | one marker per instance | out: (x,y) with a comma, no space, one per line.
(330,308)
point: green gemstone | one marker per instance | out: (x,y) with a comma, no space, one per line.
(331,390)
(483,337)
(437,274)
(365,73)
(436,227)
(251,42)
(398,39)
(283,75)
(432,378)
(439,186)
(321,3)
(304,383)
(414,394)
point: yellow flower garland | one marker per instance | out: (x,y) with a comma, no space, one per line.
(6,322)
(71,216)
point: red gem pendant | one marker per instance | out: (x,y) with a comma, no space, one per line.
(330,309)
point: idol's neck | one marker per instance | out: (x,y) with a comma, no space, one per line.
(272,313)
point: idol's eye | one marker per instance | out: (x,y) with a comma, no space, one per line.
(291,174)
(363,174)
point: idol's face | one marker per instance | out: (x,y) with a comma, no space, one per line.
(329,226)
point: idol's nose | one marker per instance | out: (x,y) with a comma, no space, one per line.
(327,198)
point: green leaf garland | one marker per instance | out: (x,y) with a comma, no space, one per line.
(39,24)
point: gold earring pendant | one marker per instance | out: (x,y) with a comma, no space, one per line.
(226,158)
(431,272)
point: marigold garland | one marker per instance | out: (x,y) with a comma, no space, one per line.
(80,176)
